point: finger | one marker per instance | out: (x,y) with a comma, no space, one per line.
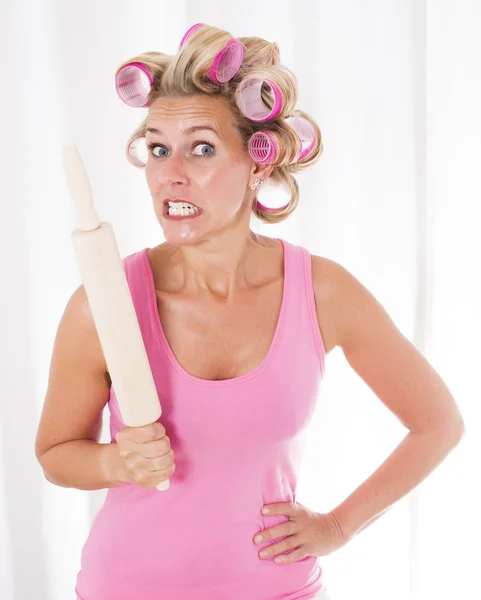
(281,530)
(128,436)
(282,508)
(275,549)
(150,479)
(148,433)
(128,447)
(285,559)
(155,449)
(158,474)
(161,463)
(141,466)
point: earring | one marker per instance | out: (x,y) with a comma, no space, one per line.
(256,184)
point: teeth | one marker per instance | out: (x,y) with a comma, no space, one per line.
(181,205)
(182,209)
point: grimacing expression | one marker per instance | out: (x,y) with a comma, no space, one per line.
(196,154)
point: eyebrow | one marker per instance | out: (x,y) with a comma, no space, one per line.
(187,131)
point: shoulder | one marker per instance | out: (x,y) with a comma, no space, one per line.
(327,282)
(345,307)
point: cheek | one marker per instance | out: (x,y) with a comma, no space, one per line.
(230,176)
(219,179)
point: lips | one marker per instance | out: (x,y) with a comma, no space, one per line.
(196,214)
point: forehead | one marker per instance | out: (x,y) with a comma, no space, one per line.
(190,110)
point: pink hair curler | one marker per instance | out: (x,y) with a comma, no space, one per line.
(263,147)
(249,100)
(189,32)
(306,133)
(226,63)
(132,83)
(138,151)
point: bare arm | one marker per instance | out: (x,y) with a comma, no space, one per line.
(407,385)
(67,444)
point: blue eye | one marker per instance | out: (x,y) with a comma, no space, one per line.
(205,145)
(152,147)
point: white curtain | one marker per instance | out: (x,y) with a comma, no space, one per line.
(395,86)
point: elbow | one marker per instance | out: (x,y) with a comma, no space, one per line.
(45,470)
(452,434)
(52,479)
(461,431)
(458,430)
(47,476)
(456,434)
(40,456)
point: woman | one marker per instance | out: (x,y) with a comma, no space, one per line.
(236,327)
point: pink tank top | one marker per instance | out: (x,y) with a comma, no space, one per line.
(238,446)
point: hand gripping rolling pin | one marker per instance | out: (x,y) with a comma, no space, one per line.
(113,311)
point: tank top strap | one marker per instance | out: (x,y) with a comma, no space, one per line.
(300,314)
(137,279)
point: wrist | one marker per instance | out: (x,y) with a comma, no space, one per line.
(112,465)
(339,532)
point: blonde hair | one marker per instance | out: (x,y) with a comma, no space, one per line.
(184,74)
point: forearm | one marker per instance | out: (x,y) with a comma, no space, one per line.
(83,464)
(408,465)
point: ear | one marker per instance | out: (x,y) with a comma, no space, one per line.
(261,171)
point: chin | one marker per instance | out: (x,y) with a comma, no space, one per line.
(181,237)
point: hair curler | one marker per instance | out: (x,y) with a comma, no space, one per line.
(138,151)
(133,83)
(305,132)
(228,60)
(264,145)
(189,32)
(249,99)
(274,193)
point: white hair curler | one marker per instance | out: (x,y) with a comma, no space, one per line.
(138,151)
(273,196)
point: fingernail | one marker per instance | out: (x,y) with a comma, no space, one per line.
(265,511)
(258,539)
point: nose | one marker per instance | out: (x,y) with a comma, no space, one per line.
(173,170)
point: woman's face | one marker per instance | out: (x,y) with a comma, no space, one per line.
(206,166)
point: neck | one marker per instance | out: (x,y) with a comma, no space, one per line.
(217,267)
